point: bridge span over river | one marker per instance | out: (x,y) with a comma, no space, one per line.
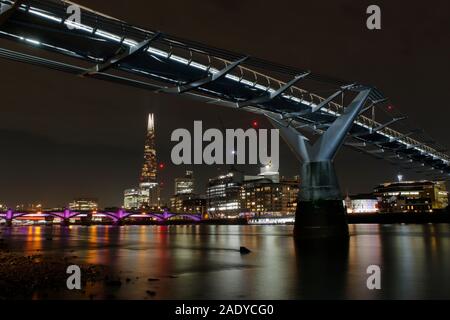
(116,217)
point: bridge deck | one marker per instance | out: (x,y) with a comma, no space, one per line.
(117,51)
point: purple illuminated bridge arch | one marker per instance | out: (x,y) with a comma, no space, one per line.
(117,217)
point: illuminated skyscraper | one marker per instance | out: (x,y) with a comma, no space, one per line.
(149,168)
(148,180)
(148,193)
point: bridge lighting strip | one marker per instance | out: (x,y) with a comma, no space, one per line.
(166,55)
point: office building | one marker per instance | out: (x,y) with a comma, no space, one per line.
(132,198)
(185,200)
(223,195)
(84,204)
(270,197)
(266,194)
(188,204)
(185,185)
(362,203)
(412,196)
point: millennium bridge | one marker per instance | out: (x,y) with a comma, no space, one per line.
(315,114)
(116,217)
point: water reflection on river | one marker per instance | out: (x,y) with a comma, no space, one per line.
(203,262)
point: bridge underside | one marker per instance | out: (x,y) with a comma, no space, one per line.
(354,115)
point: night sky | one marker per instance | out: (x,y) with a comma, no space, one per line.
(63,137)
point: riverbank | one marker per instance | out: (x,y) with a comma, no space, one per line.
(21,277)
(390,218)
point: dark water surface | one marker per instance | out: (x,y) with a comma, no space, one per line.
(203,262)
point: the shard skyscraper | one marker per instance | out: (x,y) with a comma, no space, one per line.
(147,195)
(148,180)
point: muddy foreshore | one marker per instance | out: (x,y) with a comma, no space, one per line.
(23,276)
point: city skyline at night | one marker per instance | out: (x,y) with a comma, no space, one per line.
(216,159)
(103,157)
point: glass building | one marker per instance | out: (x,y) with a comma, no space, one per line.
(148,193)
(148,181)
(223,195)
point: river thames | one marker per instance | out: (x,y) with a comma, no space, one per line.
(204,262)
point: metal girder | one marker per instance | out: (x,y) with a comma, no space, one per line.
(201,82)
(408,147)
(269,97)
(395,156)
(141,47)
(382,126)
(376,151)
(401,137)
(356,144)
(313,126)
(412,146)
(317,107)
(373,104)
(4,16)
(417,167)
(321,126)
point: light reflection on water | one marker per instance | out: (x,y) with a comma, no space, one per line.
(203,262)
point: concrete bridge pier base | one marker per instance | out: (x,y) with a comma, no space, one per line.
(119,222)
(49,220)
(87,221)
(320,209)
(8,222)
(65,222)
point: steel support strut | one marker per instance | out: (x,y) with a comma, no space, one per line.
(118,58)
(320,209)
(204,81)
(269,97)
